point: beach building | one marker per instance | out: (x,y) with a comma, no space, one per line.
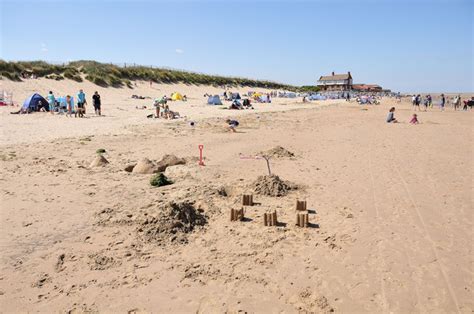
(336,82)
(367,88)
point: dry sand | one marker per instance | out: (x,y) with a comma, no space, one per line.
(390,207)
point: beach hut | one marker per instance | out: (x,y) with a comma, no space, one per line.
(214,100)
(34,103)
(176,96)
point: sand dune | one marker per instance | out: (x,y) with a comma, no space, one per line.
(390,209)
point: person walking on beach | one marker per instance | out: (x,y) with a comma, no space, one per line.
(51,102)
(417,102)
(430,101)
(96,103)
(81,103)
(442,103)
(426,103)
(457,102)
(413,100)
(69,106)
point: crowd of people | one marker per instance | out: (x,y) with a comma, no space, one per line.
(55,105)
(162,109)
(427,102)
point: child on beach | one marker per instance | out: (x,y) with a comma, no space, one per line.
(414,119)
(232,124)
(391,116)
(69,106)
(51,102)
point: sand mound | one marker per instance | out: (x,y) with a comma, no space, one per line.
(277,152)
(172,224)
(99,161)
(145,166)
(272,186)
(169,160)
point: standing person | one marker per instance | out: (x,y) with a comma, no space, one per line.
(69,106)
(430,101)
(81,102)
(426,103)
(413,100)
(457,102)
(51,102)
(417,102)
(96,103)
(348,97)
(442,103)
(156,104)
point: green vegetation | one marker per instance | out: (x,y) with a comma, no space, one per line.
(309,89)
(105,75)
(160,180)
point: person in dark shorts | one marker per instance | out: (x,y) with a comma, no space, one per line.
(96,103)
(81,104)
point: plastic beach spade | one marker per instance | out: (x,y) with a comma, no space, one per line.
(201,162)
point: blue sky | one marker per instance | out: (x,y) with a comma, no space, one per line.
(418,45)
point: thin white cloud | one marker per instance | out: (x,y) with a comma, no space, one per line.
(44,48)
(179,51)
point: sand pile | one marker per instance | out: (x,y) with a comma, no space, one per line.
(169,160)
(99,161)
(145,166)
(172,224)
(277,152)
(272,186)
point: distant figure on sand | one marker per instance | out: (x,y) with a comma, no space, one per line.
(414,119)
(96,103)
(442,103)
(81,103)
(233,124)
(417,102)
(457,102)
(69,106)
(51,102)
(391,116)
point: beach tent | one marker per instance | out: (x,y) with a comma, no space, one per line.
(214,100)
(176,96)
(235,96)
(317,97)
(32,103)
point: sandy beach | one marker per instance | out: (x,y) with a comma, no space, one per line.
(389,207)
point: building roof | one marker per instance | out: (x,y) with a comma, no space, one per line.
(335,77)
(366,86)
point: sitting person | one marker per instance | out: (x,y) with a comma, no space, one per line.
(236,105)
(233,124)
(391,116)
(414,119)
(247,104)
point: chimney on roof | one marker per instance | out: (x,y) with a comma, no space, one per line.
(349,72)
(332,73)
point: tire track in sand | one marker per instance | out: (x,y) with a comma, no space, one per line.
(377,217)
(423,226)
